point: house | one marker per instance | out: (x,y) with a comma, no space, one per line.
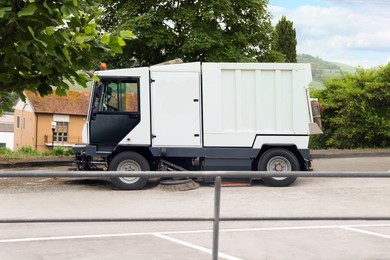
(7,130)
(50,121)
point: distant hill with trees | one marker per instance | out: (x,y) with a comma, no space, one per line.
(323,70)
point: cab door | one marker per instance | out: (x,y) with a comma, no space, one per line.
(115,110)
(119,112)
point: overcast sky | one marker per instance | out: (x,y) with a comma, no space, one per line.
(355,32)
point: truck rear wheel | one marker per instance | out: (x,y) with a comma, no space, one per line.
(129,161)
(278,159)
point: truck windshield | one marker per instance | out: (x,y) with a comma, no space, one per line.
(116,96)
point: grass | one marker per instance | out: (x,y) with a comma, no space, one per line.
(28,153)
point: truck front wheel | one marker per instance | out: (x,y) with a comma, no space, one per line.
(278,159)
(129,161)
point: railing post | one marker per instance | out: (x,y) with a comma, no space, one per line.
(217,207)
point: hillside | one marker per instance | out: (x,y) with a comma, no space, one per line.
(323,70)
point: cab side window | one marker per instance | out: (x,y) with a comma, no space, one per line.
(122,96)
(117,96)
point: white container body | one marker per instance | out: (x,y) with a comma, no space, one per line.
(244,100)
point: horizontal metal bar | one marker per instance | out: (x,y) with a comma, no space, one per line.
(195,174)
(193,219)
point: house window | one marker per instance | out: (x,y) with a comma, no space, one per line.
(2,145)
(61,132)
(18,122)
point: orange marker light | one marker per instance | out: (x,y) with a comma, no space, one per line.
(103,66)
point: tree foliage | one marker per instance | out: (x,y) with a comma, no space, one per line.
(45,43)
(356,110)
(286,39)
(207,30)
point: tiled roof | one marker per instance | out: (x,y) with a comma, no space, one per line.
(74,103)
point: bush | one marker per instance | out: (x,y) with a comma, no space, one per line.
(61,151)
(47,153)
(27,151)
(68,152)
(58,151)
(356,111)
(5,152)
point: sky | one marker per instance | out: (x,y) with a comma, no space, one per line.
(354,32)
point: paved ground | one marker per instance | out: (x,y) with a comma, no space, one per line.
(193,240)
(278,239)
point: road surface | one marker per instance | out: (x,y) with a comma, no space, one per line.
(285,235)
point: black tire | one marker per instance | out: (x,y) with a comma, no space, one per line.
(129,161)
(278,159)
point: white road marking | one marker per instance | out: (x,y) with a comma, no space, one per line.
(32,239)
(366,232)
(38,181)
(44,179)
(273,228)
(200,248)
(350,227)
(304,227)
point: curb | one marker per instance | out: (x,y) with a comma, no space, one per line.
(36,163)
(323,154)
(315,154)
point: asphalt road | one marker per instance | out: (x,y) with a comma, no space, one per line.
(285,235)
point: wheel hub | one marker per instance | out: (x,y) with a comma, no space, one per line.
(129,166)
(279,164)
(278,167)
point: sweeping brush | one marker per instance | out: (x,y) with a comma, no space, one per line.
(178,184)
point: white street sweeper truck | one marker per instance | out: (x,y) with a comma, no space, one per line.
(199,116)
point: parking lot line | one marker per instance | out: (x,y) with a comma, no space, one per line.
(200,248)
(346,227)
(33,239)
(365,232)
(300,228)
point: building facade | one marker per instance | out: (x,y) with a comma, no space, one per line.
(44,123)
(7,130)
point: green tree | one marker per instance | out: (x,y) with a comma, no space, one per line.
(207,30)
(286,42)
(45,43)
(356,110)
(274,55)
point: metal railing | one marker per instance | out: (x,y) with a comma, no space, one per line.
(63,141)
(217,175)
